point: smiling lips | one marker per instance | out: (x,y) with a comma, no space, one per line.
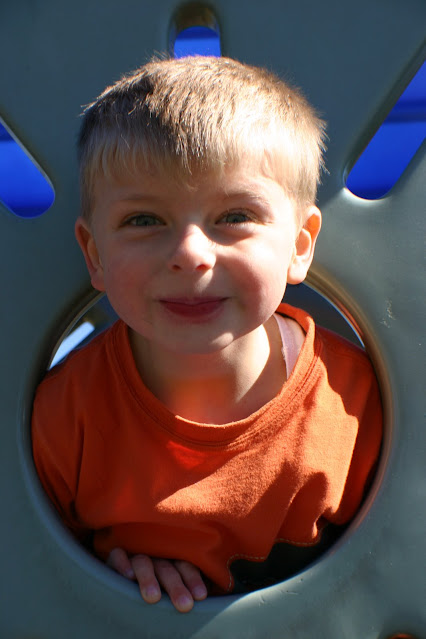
(201,308)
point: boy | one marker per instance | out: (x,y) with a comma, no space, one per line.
(204,433)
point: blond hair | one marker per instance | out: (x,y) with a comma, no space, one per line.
(202,114)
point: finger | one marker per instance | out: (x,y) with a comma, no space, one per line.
(119,561)
(191,577)
(145,575)
(170,579)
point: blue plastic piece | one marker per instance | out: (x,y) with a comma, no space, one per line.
(394,145)
(197,41)
(24,190)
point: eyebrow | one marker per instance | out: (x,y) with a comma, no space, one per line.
(246,194)
(138,197)
(252,194)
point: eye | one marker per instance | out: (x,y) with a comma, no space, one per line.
(235,217)
(144,219)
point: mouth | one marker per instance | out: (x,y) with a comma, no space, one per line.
(193,308)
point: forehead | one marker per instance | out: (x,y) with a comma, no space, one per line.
(250,178)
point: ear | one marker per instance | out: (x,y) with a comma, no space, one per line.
(86,240)
(304,246)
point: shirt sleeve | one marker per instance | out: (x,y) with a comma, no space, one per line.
(367,447)
(57,441)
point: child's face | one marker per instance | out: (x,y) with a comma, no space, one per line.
(191,269)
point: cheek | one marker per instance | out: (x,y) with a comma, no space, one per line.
(272,291)
(124,265)
(126,289)
(263,275)
(124,280)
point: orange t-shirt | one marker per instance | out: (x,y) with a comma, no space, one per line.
(118,465)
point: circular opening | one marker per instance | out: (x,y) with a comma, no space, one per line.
(99,316)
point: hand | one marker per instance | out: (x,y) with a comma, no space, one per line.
(181,580)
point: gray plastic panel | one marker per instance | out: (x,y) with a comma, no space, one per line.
(352,59)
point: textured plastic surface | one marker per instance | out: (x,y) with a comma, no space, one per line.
(352,59)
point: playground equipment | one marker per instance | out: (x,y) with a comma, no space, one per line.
(353,59)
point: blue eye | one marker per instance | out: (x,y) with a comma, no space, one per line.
(236,217)
(144,219)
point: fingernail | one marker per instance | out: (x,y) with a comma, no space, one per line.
(184,603)
(200,592)
(129,573)
(151,594)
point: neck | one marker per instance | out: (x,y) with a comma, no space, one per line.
(219,387)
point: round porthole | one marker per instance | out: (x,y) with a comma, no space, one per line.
(96,317)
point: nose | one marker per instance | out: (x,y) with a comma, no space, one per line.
(193,251)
